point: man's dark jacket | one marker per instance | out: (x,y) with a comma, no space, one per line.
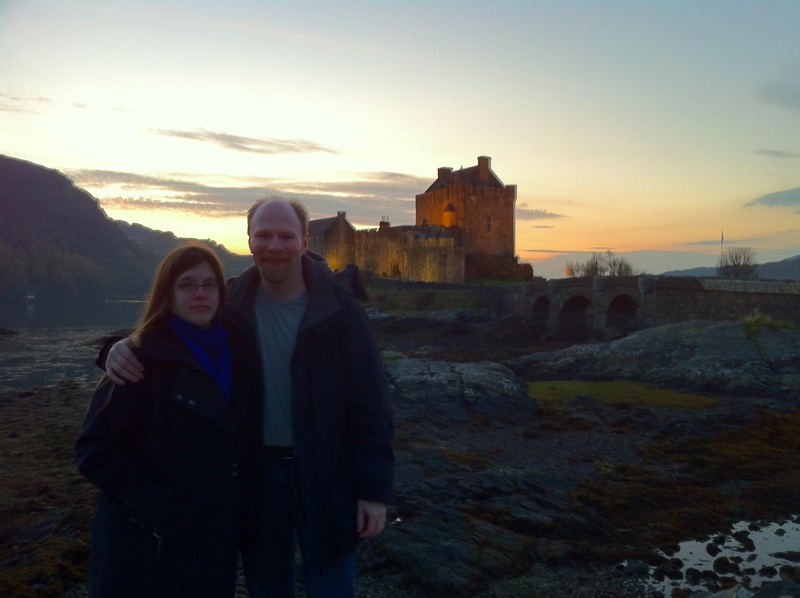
(341,417)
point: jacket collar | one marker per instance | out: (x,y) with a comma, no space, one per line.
(321,285)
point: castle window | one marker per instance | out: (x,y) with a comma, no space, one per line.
(489,224)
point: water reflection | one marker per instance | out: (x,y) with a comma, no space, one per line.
(755,553)
(57,340)
(37,314)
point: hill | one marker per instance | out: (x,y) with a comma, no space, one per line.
(160,243)
(56,241)
(787,269)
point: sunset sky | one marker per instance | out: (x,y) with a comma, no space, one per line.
(644,128)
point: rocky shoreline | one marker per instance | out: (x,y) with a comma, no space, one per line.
(500,494)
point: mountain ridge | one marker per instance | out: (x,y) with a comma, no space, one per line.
(785,269)
(56,242)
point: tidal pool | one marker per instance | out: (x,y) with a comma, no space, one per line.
(757,552)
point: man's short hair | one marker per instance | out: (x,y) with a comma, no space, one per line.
(297,206)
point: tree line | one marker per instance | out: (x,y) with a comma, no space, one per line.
(737,263)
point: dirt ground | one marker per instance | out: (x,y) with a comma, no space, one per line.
(46,507)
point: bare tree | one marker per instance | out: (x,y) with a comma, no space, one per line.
(619,266)
(595,266)
(738,263)
(572,269)
(600,264)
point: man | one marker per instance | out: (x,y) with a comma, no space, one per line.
(327,463)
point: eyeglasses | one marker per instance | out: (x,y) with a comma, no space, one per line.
(190,286)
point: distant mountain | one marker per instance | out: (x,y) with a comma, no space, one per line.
(786,269)
(56,242)
(160,243)
(701,272)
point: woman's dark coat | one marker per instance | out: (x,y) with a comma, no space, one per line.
(171,457)
(341,417)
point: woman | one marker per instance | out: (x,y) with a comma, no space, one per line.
(170,453)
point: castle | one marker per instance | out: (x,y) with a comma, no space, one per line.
(462,215)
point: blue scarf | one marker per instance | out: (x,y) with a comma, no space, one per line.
(210,349)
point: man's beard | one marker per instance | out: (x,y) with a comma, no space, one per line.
(273,273)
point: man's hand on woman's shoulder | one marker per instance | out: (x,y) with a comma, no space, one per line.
(121,364)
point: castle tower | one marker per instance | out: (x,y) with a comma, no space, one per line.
(449,216)
(475,200)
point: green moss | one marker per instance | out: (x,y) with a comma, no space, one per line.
(480,420)
(467,461)
(411,300)
(753,453)
(54,566)
(491,282)
(698,485)
(393,356)
(753,323)
(556,393)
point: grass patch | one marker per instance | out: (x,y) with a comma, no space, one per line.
(556,393)
(392,356)
(715,480)
(490,282)
(411,300)
(756,321)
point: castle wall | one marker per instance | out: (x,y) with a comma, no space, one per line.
(409,254)
(675,299)
(485,213)
(432,261)
(337,245)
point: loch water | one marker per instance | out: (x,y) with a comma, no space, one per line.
(57,340)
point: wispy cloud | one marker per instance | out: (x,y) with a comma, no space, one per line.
(522,212)
(175,192)
(780,238)
(371,184)
(784,90)
(777,153)
(779,199)
(22,105)
(548,251)
(380,195)
(728,241)
(38,105)
(258,145)
(102,178)
(187,206)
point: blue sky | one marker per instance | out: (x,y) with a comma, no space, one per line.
(646,129)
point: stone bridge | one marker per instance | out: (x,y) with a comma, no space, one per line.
(587,308)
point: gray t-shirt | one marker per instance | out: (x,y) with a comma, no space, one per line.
(278,324)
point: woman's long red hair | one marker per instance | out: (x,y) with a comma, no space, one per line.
(175,263)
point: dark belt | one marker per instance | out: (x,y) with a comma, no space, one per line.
(278,452)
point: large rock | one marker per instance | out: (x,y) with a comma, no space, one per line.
(486,481)
(440,538)
(705,356)
(451,394)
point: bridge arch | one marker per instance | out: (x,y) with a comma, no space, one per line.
(540,314)
(573,319)
(621,314)
(586,306)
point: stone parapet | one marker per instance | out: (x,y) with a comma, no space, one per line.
(751,286)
